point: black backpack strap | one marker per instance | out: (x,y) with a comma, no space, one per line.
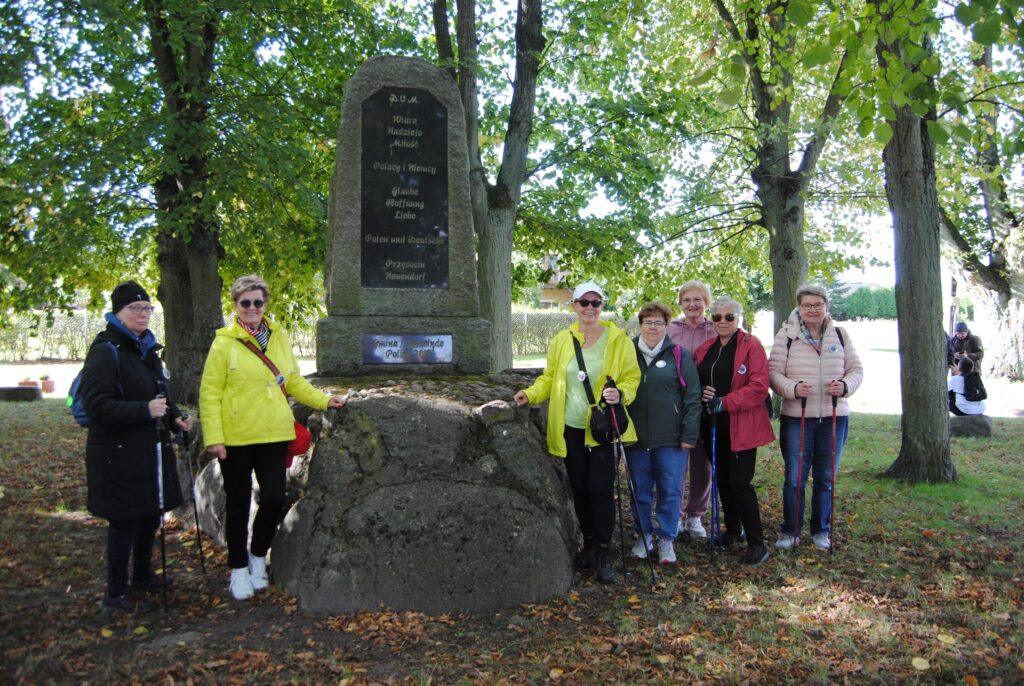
(583,368)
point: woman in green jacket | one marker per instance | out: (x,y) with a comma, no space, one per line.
(247,424)
(607,353)
(666,414)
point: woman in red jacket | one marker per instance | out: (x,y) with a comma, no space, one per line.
(733,370)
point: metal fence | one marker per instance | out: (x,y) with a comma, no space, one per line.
(532,330)
(68,338)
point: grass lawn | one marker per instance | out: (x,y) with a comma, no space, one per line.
(925,586)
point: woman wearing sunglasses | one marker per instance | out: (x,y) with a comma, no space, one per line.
(247,423)
(812,361)
(607,353)
(733,370)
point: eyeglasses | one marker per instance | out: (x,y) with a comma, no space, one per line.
(590,303)
(730,317)
(141,309)
(252,303)
(653,322)
(808,307)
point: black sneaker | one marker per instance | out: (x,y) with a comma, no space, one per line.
(605,568)
(756,555)
(729,539)
(123,603)
(154,584)
(587,557)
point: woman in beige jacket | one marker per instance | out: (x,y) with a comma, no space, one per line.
(813,362)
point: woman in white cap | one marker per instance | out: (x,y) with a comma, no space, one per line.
(607,353)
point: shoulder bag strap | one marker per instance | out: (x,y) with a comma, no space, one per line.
(583,368)
(278,377)
(679,365)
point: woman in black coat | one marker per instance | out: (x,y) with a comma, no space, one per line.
(123,391)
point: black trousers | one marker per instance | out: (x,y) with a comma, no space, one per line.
(267,461)
(592,479)
(739,499)
(129,538)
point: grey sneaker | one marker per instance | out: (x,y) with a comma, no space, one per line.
(642,545)
(666,551)
(785,542)
(695,528)
(821,540)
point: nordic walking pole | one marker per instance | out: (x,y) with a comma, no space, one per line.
(620,452)
(195,508)
(618,499)
(160,501)
(798,498)
(715,539)
(832,493)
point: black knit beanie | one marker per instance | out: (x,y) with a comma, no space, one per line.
(126,294)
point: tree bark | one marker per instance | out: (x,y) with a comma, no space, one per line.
(495,206)
(910,186)
(781,189)
(188,245)
(998,285)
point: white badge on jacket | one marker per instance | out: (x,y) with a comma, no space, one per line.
(742,369)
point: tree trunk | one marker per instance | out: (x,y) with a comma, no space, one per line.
(190,293)
(913,200)
(494,207)
(782,212)
(188,246)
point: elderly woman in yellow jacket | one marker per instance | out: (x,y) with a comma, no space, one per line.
(607,353)
(247,424)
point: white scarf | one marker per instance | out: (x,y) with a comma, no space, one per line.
(647,351)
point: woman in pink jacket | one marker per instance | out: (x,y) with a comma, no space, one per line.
(689,332)
(813,359)
(733,372)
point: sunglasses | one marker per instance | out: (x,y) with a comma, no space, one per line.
(728,317)
(590,303)
(252,303)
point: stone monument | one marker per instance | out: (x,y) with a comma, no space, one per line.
(401,269)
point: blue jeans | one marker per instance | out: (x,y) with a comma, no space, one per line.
(661,469)
(817,460)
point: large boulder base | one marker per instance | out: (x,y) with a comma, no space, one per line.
(972,425)
(427,503)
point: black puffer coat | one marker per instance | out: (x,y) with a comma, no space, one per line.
(120,454)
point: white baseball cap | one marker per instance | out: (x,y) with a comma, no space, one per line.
(586,287)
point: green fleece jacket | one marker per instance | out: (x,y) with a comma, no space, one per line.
(619,363)
(240,402)
(666,413)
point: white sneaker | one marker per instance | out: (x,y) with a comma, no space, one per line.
(821,540)
(785,542)
(241,586)
(258,572)
(666,551)
(642,545)
(695,528)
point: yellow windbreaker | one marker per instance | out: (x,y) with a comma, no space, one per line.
(619,363)
(239,400)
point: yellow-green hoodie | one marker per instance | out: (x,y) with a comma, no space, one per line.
(619,363)
(239,400)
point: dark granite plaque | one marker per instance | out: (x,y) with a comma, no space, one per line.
(404,232)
